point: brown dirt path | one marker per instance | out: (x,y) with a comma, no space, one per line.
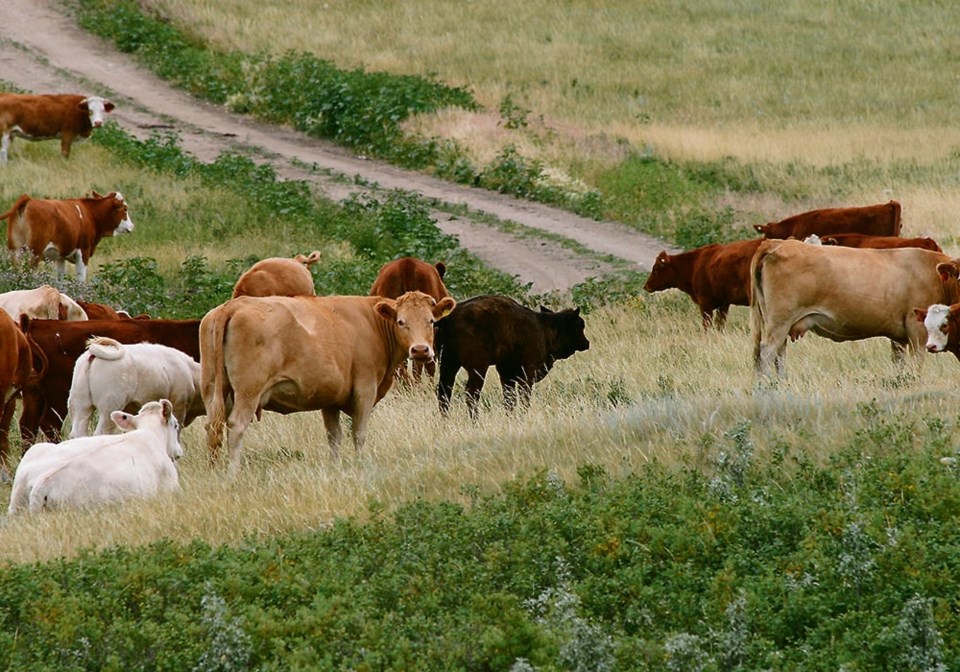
(42,50)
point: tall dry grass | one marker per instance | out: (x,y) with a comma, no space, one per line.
(652,388)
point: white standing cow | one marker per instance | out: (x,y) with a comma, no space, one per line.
(97,470)
(110,376)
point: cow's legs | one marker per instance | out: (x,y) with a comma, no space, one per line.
(5,421)
(104,423)
(5,147)
(474,387)
(449,367)
(331,420)
(81,269)
(239,419)
(80,421)
(721,320)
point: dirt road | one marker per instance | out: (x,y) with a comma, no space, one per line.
(43,51)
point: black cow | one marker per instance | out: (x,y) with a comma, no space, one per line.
(497,331)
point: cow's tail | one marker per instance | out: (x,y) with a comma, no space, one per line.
(102,347)
(214,383)
(757,299)
(17,207)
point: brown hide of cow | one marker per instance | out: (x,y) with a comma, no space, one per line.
(278,276)
(47,116)
(861,240)
(874,220)
(409,274)
(16,372)
(57,345)
(520,343)
(715,276)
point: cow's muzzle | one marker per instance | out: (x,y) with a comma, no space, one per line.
(421,353)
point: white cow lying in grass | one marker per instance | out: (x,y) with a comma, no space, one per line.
(95,470)
(44,302)
(111,377)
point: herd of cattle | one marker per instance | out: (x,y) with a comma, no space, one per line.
(276,346)
(842,273)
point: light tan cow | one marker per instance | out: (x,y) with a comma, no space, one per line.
(306,353)
(43,302)
(842,293)
(278,276)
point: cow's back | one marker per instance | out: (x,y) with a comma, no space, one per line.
(875,220)
(484,327)
(725,272)
(409,274)
(43,116)
(276,276)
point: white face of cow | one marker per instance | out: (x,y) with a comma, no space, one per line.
(936,324)
(126,225)
(152,414)
(97,107)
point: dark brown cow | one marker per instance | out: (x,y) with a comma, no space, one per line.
(65,230)
(873,220)
(57,345)
(879,242)
(715,276)
(278,276)
(497,331)
(66,116)
(100,311)
(16,370)
(409,274)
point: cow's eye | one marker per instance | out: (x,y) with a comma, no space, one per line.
(943,329)
(401,323)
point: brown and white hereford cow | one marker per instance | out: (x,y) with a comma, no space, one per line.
(843,294)
(65,230)
(44,302)
(16,370)
(873,220)
(66,116)
(942,323)
(715,276)
(304,353)
(879,242)
(409,274)
(56,345)
(278,276)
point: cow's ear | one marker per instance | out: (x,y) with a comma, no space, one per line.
(444,307)
(83,105)
(96,194)
(921,314)
(441,268)
(947,271)
(123,420)
(167,409)
(953,310)
(387,309)
(108,106)
(544,309)
(576,311)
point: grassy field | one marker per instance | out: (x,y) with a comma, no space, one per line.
(660,106)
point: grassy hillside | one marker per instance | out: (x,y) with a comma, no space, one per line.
(654,509)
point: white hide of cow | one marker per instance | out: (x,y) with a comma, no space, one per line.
(43,302)
(103,469)
(110,376)
(813,239)
(935,323)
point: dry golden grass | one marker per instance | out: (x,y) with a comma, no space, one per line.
(683,384)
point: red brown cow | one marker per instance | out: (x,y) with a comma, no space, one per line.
(278,276)
(715,276)
(57,345)
(879,242)
(100,311)
(842,293)
(873,220)
(16,370)
(497,331)
(46,116)
(65,230)
(408,274)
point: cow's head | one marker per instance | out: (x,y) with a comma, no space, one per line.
(121,212)
(413,315)
(941,322)
(96,107)
(762,228)
(156,416)
(661,274)
(566,335)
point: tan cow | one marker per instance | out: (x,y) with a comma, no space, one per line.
(306,353)
(409,274)
(278,276)
(67,116)
(843,294)
(43,302)
(65,230)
